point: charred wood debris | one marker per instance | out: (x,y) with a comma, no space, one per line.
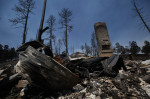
(39,75)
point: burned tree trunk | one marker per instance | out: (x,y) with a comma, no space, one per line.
(42,21)
(25,28)
(44,71)
(103,66)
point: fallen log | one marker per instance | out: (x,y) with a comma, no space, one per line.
(45,71)
(97,66)
(92,64)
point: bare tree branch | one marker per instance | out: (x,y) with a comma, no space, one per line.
(140,12)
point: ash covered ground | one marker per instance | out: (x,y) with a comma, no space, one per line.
(130,84)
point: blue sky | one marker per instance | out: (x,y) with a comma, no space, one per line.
(119,16)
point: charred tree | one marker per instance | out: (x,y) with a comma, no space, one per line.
(51,22)
(59,45)
(82,48)
(87,49)
(94,49)
(65,19)
(41,30)
(23,9)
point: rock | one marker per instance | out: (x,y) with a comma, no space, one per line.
(97,92)
(3,77)
(7,83)
(30,91)
(78,87)
(143,71)
(147,78)
(22,92)
(133,97)
(123,74)
(17,69)
(91,96)
(1,71)
(22,83)
(95,74)
(80,96)
(7,69)
(130,63)
(145,86)
(85,82)
(147,62)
